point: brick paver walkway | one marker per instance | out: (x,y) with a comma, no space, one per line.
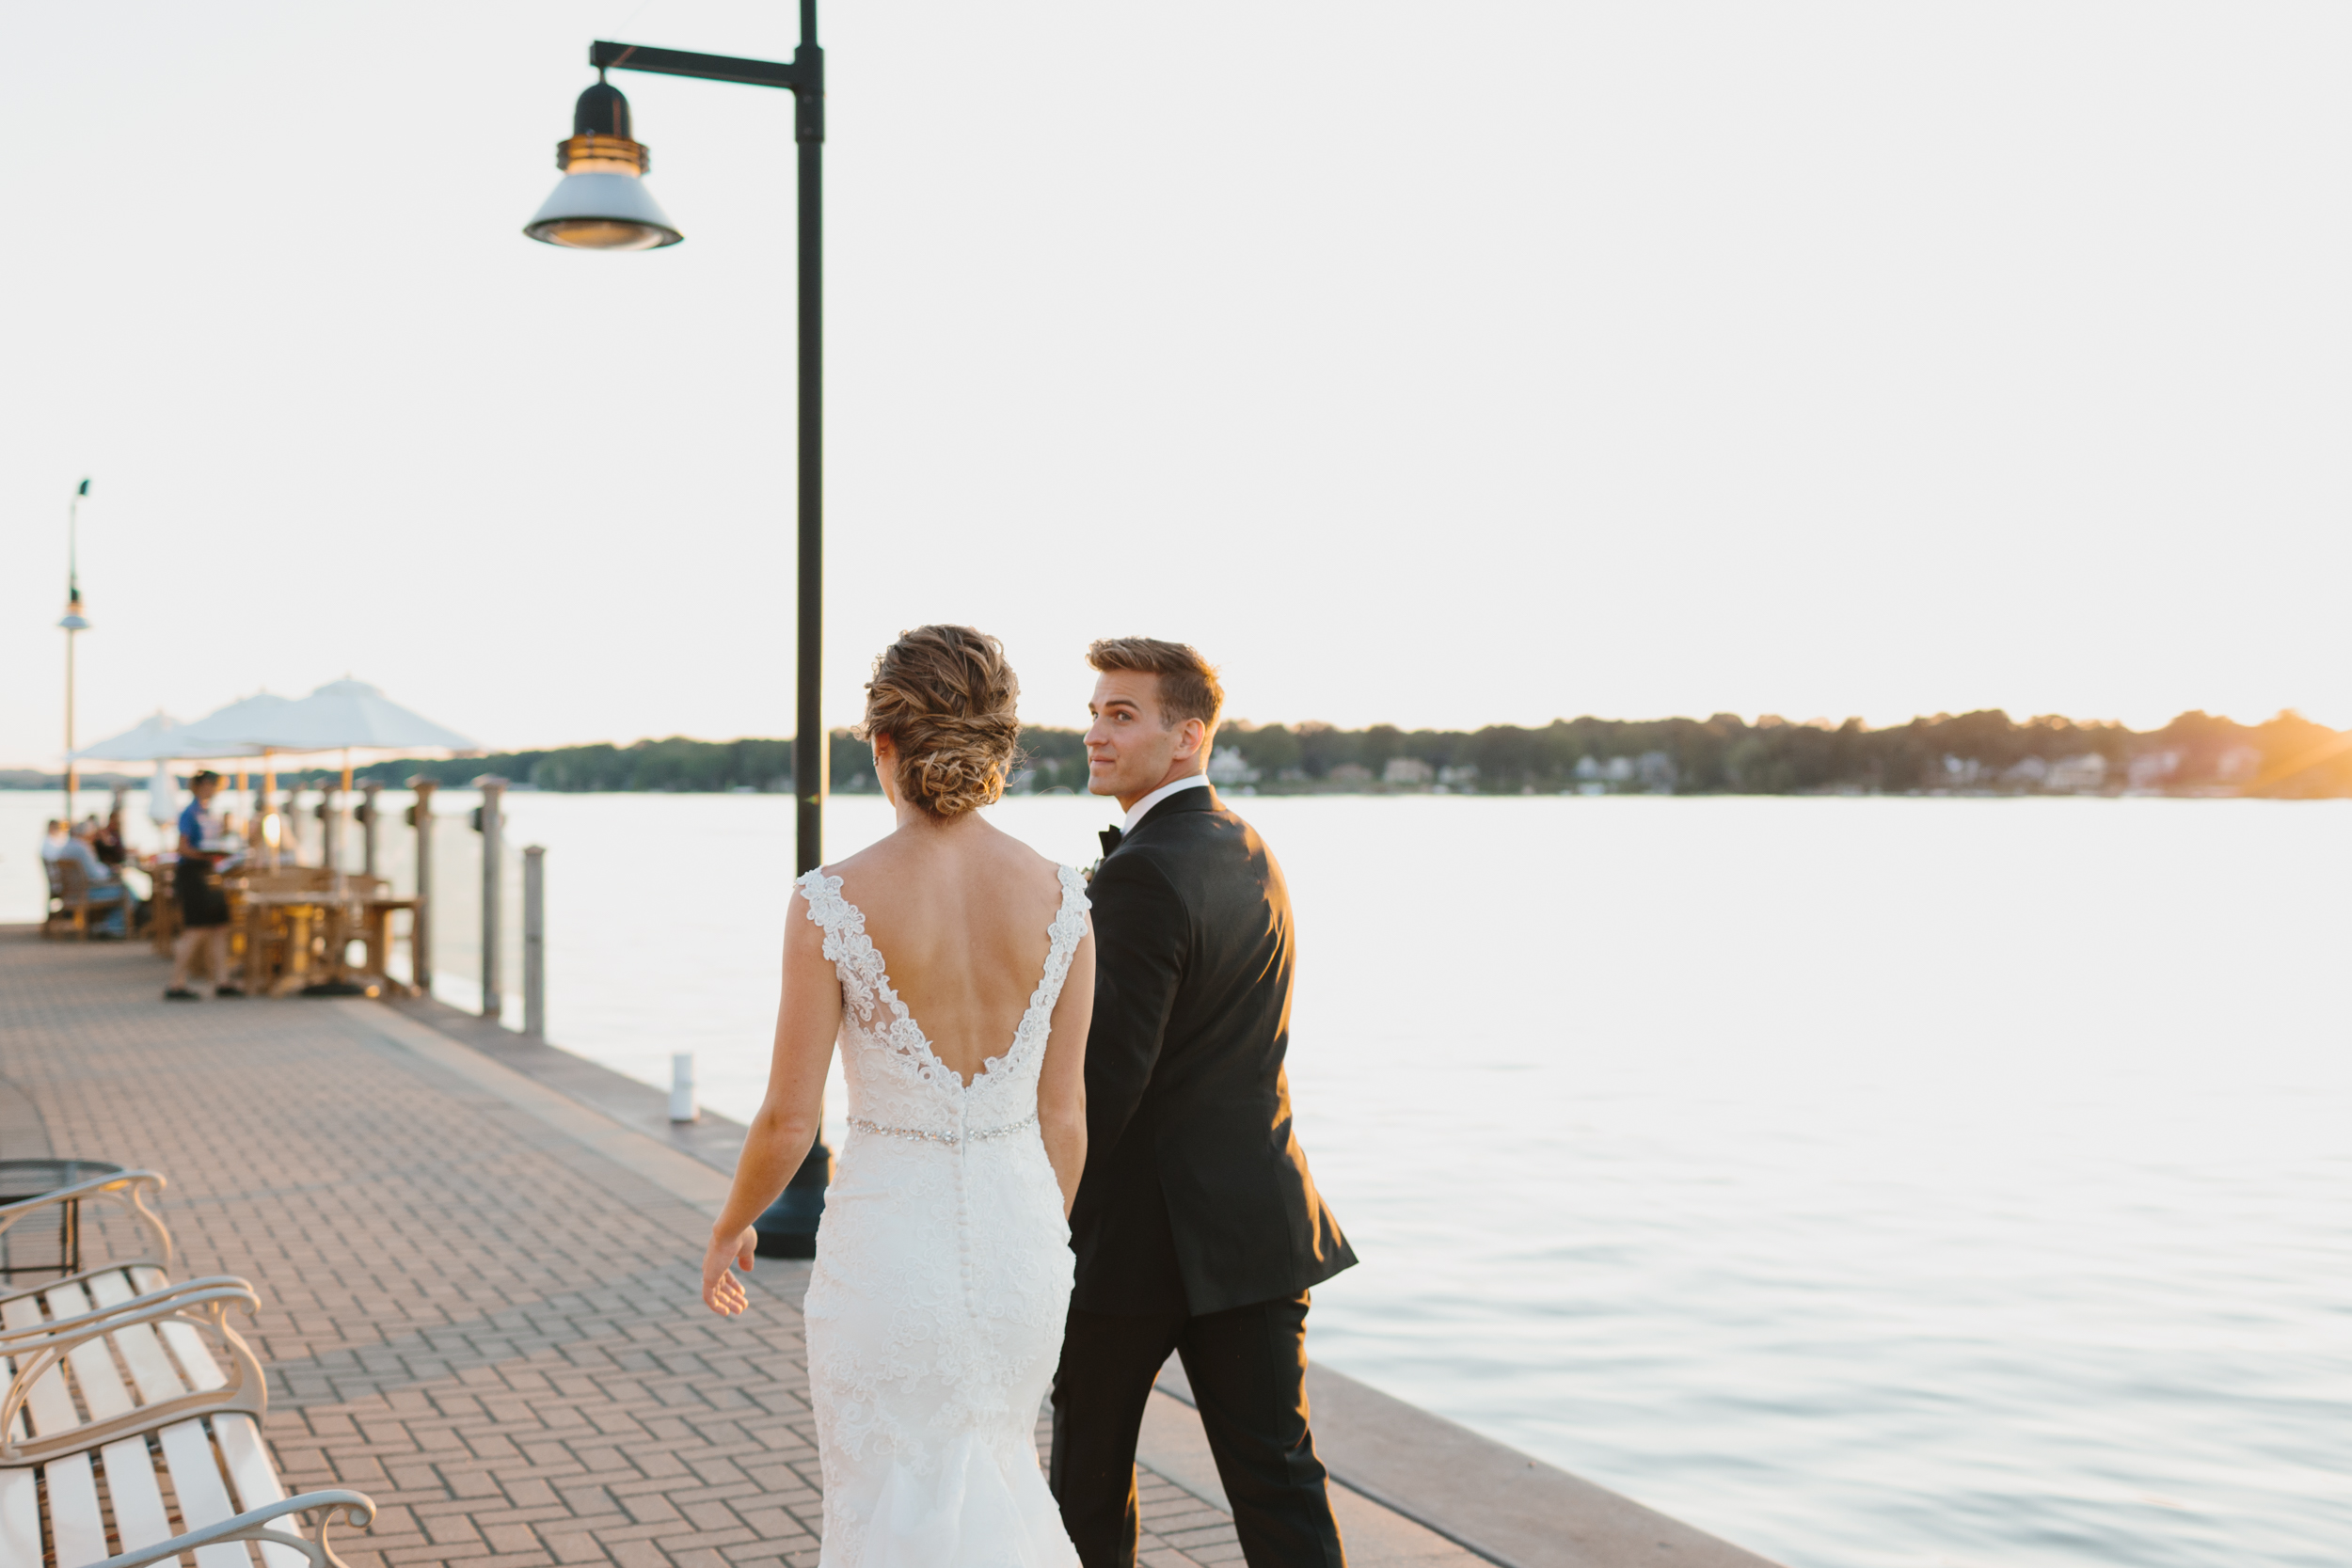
(469,1313)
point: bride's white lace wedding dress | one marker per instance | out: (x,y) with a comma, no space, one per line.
(942,1280)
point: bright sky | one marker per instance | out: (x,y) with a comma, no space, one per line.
(1441,365)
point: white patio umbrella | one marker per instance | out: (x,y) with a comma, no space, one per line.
(348,715)
(160,738)
(246,727)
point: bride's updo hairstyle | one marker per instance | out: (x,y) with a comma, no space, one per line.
(944,697)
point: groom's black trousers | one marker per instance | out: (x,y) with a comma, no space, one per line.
(1248,1366)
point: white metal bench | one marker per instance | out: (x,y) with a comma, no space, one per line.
(111,1365)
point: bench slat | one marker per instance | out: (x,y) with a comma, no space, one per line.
(20,1504)
(50,1406)
(93,1364)
(76,1529)
(139,1502)
(195,1480)
(151,1370)
(20,1519)
(197,1365)
(242,1453)
(258,1485)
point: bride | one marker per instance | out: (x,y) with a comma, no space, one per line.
(956,969)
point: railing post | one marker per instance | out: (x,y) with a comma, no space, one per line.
(331,829)
(491,823)
(421,918)
(535,942)
(368,791)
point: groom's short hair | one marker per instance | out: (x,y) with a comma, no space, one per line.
(1188,685)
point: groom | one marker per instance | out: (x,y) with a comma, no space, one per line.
(1197,1227)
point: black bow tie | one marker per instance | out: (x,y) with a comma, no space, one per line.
(1110,837)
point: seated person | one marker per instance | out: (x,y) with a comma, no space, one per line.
(106,888)
(107,839)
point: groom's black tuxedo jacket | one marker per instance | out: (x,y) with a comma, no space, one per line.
(1196,1197)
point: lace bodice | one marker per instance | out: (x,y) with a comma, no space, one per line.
(896,1079)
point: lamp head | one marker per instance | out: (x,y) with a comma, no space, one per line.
(601,203)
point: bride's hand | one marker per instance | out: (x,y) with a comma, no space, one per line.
(723,1292)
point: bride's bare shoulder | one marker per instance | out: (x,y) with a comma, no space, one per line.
(902,857)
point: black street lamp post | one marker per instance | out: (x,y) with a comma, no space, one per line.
(602,205)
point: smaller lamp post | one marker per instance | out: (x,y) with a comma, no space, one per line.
(74,622)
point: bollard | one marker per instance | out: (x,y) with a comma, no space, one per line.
(789,1226)
(489,821)
(368,790)
(682,1106)
(421,918)
(535,942)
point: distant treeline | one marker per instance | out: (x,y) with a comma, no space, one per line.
(1986,752)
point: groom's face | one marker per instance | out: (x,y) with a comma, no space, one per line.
(1130,747)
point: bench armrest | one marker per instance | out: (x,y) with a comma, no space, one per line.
(356,1508)
(127,1190)
(23,1341)
(202,1304)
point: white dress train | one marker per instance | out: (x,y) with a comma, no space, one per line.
(942,1280)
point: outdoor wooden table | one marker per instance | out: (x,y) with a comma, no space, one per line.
(375,932)
(306,911)
(299,908)
(331,915)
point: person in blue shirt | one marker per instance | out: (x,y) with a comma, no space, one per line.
(203,902)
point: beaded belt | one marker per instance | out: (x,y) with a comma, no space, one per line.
(1023,1125)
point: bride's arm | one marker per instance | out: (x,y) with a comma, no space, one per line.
(807,1021)
(1061,1087)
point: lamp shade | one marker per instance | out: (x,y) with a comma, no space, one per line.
(601,203)
(603,210)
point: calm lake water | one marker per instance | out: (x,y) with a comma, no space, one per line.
(1874,1182)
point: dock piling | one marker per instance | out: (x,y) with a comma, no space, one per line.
(420,919)
(490,822)
(368,857)
(536,944)
(682,1106)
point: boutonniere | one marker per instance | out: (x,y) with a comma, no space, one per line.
(1090,871)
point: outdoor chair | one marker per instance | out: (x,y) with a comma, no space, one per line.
(68,899)
(162,918)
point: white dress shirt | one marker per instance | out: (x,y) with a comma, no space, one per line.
(1135,813)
